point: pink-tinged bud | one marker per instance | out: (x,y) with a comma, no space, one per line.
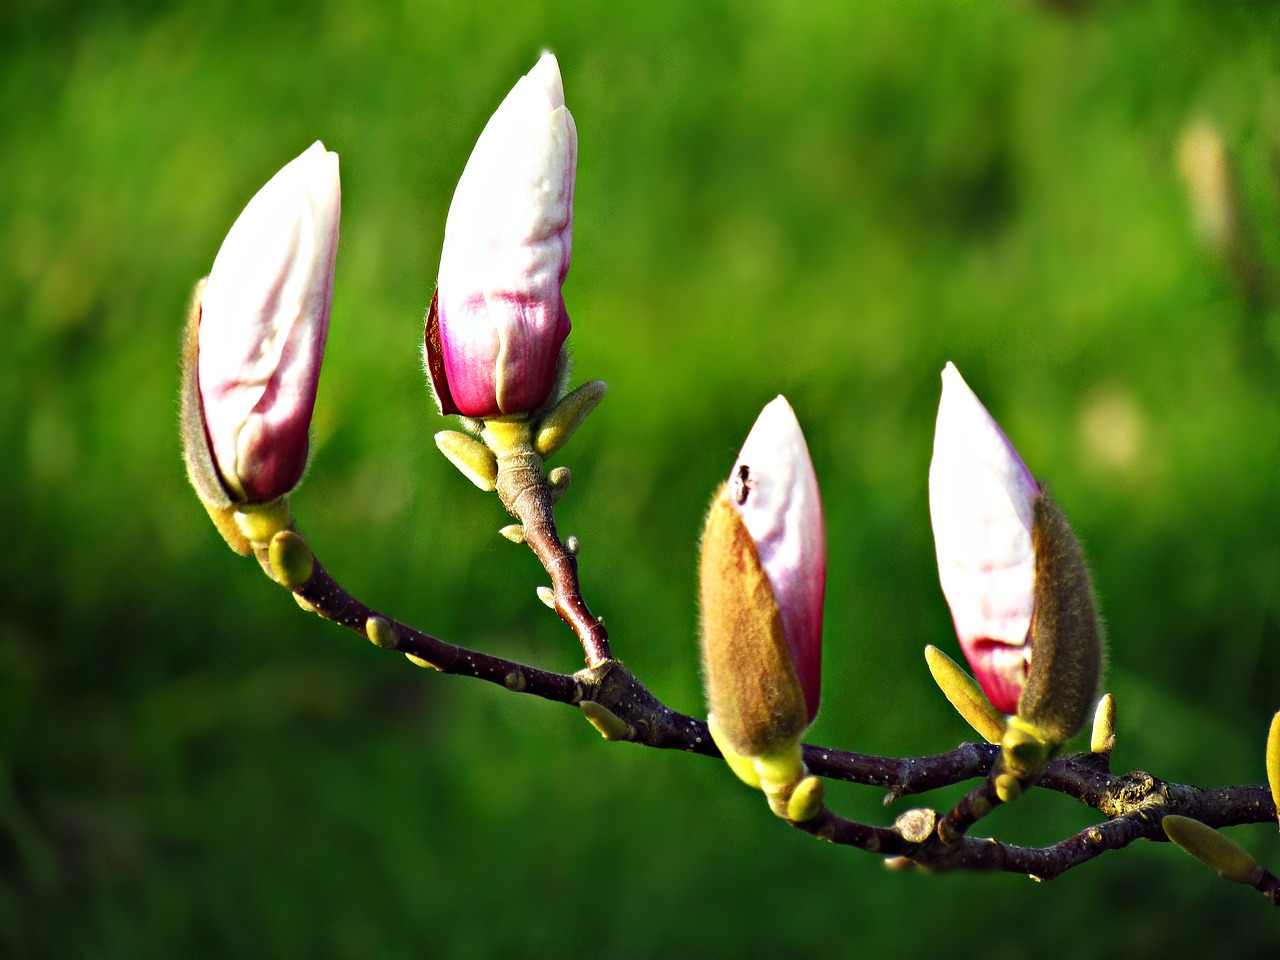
(498,321)
(982,500)
(263,321)
(763,577)
(1013,574)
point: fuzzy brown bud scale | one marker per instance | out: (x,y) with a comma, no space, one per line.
(1067,645)
(752,687)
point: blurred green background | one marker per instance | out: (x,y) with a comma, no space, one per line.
(827,200)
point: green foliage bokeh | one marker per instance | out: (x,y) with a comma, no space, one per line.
(826,200)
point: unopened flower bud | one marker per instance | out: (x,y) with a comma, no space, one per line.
(763,577)
(1014,577)
(261,321)
(498,321)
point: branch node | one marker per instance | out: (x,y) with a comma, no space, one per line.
(916,826)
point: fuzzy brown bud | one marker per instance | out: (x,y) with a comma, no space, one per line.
(1066,662)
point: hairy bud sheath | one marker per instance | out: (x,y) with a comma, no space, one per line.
(260,322)
(1012,572)
(763,578)
(1066,636)
(497,325)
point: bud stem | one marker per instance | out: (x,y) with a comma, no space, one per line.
(527,495)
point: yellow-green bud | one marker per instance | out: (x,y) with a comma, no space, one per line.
(1103,739)
(806,800)
(1211,848)
(291,559)
(260,522)
(381,633)
(963,693)
(555,429)
(610,725)
(473,459)
(1024,749)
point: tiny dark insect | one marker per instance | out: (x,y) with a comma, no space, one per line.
(744,484)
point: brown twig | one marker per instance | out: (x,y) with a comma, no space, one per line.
(975,805)
(327,598)
(527,496)
(1134,803)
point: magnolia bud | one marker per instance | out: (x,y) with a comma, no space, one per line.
(498,321)
(763,577)
(261,320)
(1014,577)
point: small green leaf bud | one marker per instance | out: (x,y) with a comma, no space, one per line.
(516,681)
(558,479)
(1211,848)
(565,417)
(513,532)
(610,725)
(473,459)
(381,633)
(291,559)
(963,692)
(806,800)
(1103,739)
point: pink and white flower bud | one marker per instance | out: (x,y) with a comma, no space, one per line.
(775,489)
(763,578)
(264,319)
(982,500)
(499,316)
